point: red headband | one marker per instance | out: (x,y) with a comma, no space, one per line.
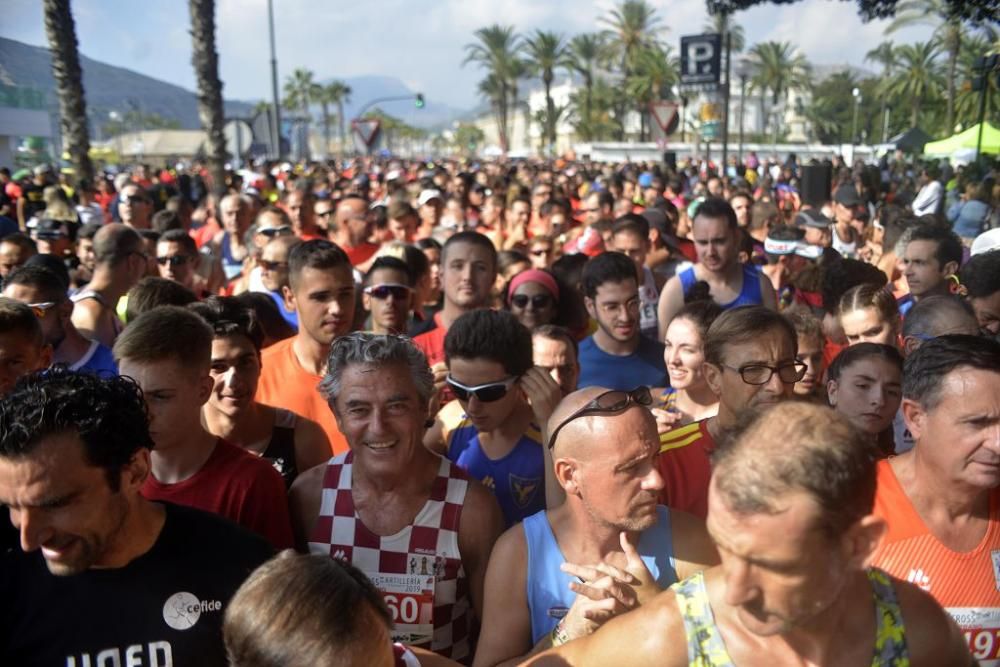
(533,276)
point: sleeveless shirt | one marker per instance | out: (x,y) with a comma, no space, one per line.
(427,547)
(548,592)
(706,647)
(280,449)
(749,293)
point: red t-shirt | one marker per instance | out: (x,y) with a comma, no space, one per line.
(686,470)
(205,233)
(285,384)
(238,486)
(359,254)
(432,341)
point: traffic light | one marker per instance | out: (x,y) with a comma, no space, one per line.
(419,102)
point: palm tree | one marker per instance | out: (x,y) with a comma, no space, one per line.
(918,78)
(546,51)
(299,90)
(967,100)
(321,96)
(778,67)
(948,37)
(721,23)
(206,69)
(61,32)
(583,55)
(884,54)
(497,52)
(340,94)
(631,26)
(655,72)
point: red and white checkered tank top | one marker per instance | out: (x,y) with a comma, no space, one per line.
(428,546)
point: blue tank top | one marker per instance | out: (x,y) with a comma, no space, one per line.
(517,480)
(749,294)
(230,265)
(549,595)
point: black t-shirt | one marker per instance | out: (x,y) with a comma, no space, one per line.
(163,608)
(33,200)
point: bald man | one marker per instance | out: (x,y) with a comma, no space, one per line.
(608,548)
(793,587)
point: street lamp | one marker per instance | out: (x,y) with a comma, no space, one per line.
(743,70)
(854,126)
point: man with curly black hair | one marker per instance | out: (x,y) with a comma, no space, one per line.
(103,575)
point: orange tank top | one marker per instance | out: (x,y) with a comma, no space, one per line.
(966,584)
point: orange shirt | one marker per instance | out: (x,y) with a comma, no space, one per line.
(285,384)
(966,584)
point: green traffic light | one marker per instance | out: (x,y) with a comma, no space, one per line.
(419,102)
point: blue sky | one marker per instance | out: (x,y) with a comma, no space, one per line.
(419,41)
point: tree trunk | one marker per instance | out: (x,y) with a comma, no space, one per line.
(206,69)
(589,107)
(326,129)
(340,115)
(550,112)
(950,109)
(61,32)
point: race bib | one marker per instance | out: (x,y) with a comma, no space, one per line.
(981,628)
(410,599)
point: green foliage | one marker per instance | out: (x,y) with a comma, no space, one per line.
(135,120)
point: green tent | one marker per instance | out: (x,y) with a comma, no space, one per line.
(966,140)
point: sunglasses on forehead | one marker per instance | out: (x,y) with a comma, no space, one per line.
(484,393)
(610,402)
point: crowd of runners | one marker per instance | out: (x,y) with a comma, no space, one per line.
(386,411)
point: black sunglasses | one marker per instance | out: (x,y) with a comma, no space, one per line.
(173,260)
(272,266)
(539,301)
(271,232)
(384,290)
(609,402)
(484,393)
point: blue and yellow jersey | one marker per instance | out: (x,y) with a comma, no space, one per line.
(517,479)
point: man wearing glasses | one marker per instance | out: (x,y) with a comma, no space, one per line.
(176,258)
(45,294)
(617,355)
(120,262)
(751,364)
(494,428)
(134,207)
(608,548)
(388,296)
(273,268)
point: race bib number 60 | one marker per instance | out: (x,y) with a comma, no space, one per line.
(410,599)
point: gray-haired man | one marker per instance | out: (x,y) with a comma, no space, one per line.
(412,521)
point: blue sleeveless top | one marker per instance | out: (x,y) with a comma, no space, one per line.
(549,595)
(749,294)
(517,479)
(231,266)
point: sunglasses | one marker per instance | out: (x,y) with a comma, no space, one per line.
(50,235)
(271,232)
(384,290)
(39,309)
(610,402)
(133,200)
(174,260)
(272,266)
(539,301)
(484,393)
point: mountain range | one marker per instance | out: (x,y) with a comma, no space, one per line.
(110,88)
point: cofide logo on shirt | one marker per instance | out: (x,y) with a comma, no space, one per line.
(182,610)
